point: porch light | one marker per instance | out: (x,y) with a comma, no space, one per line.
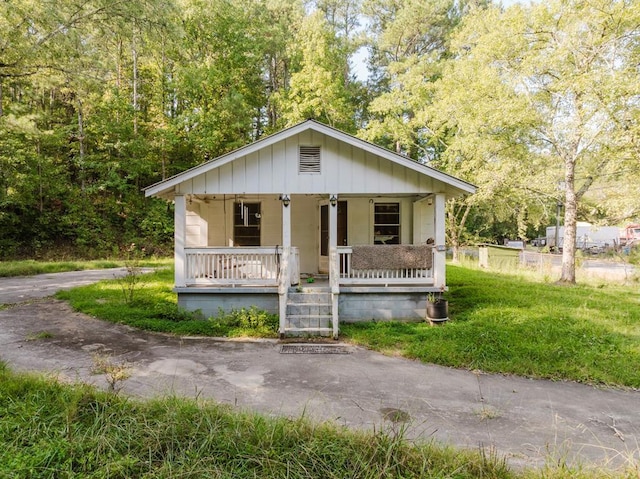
(286,200)
(333,200)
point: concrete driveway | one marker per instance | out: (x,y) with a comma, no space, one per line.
(527,421)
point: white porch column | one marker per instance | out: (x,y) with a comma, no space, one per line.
(284,279)
(334,268)
(180,237)
(440,254)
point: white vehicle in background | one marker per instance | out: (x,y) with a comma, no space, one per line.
(589,237)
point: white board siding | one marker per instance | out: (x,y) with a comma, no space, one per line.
(359,221)
(423,221)
(252,173)
(196,227)
(344,169)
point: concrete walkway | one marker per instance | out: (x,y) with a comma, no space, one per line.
(527,421)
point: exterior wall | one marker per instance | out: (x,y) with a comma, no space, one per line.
(352,307)
(210,222)
(196,226)
(355,307)
(217,221)
(360,219)
(344,168)
(211,304)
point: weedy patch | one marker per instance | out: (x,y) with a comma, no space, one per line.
(39,335)
(115,372)
(487,412)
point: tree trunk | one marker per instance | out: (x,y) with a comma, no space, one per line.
(1,111)
(81,145)
(570,224)
(456,227)
(134,54)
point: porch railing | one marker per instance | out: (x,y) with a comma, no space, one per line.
(258,266)
(350,276)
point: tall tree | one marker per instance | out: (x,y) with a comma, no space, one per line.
(317,87)
(409,41)
(219,79)
(562,76)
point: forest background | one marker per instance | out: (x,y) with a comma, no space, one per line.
(538,105)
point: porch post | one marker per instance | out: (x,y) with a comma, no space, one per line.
(440,253)
(284,279)
(180,228)
(334,270)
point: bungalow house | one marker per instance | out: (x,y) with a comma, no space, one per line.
(256,226)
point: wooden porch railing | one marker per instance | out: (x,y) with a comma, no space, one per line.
(351,276)
(252,266)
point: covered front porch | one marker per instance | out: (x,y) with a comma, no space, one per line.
(363,257)
(252,225)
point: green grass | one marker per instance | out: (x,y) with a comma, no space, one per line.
(512,324)
(48,430)
(32,267)
(54,430)
(154,308)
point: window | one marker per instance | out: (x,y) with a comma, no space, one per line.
(386,223)
(246,224)
(309,160)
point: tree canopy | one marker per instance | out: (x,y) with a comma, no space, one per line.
(535,104)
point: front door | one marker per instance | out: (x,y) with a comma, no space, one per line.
(323,266)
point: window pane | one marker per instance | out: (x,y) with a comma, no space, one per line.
(386,223)
(246,224)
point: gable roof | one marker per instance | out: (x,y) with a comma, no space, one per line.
(166,188)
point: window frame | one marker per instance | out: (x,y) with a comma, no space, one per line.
(381,229)
(255,208)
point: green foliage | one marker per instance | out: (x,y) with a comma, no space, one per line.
(536,96)
(318,89)
(508,324)
(248,322)
(100,99)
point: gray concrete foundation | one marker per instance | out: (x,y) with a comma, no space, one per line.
(367,306)
(355,304)
(210,303)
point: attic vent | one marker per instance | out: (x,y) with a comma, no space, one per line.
(309,159)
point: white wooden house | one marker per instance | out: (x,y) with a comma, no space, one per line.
(368,225)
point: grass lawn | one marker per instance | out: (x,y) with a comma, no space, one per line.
(32,267)
(502,323)
(154,308)
(49,429)
(506,323)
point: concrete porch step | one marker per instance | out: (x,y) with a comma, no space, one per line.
(308,309)
(309,321)
(307,297)
(309,331)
